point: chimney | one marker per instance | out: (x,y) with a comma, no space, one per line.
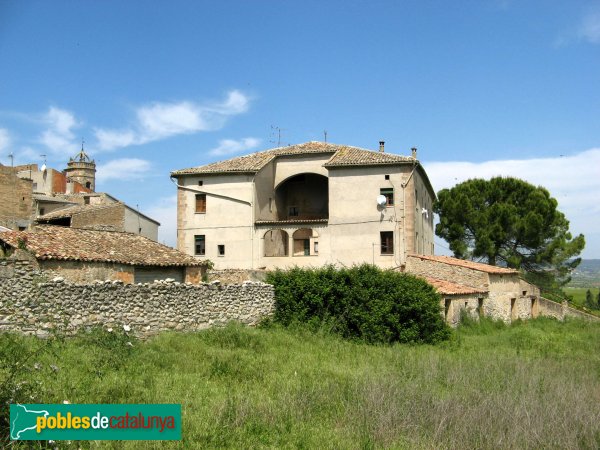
(381,146)
(414,152)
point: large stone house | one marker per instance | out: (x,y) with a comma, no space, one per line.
(306,205)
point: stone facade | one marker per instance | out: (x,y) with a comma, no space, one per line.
(16,203)
(32,303)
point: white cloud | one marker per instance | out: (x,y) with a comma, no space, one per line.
(162,120)
(589,29)
(165,211)
(231,146)
(59,136)
(573,180)
(123,169)
(5,140)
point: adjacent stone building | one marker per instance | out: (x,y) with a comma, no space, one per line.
(306,205)
(16,201)
(83,256)
(477,289)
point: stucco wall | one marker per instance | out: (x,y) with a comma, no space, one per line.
(138,224)
(31,305)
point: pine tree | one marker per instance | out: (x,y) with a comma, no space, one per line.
(589,300)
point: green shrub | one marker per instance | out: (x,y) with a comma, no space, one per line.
(362,302)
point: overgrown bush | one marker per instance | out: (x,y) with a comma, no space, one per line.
(362,302)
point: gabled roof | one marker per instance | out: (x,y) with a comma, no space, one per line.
(342,155)
(70,244)
(449,288)
(468,264)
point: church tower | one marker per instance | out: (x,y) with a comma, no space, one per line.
(82,169)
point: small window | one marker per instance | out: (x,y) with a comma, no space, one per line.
(42,211)
(34,186)
(388,193)
(293,211)
(387,177)
(200,203)
(22,228)
(221,249)
(199,245)
(88,185)
(524,293)
(316,247)
(387,242)
(200,182)
(270,204)
(86,200)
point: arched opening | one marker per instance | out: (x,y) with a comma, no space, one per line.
(276,243)
(306,242)
(88,185)
(303,197)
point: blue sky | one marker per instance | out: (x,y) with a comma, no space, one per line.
(491,87)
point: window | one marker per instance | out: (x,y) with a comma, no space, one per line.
(387,177)
(316,247)
(200,203)
(221,249)
(86,200)
(387,242)
(88,185)
(270,204)
(199,245)
(293,211)
(34,186)
(200,182)
(42,211)
(388,193)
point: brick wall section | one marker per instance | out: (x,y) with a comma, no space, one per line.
(59,182)
(112,217)
(16,203)
(32,305)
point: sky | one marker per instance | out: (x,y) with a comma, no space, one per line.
(481,88)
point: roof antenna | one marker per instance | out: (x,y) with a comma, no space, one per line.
(325,134)
(278,130)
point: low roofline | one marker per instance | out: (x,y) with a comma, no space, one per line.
(480,267)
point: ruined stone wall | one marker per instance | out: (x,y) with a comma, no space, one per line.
(33,304)
(16,203)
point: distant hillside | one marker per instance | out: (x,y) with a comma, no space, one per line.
(587,274)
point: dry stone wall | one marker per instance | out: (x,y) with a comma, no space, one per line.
(33,304)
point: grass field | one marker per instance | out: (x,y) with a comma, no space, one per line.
(578,294)
(531,385)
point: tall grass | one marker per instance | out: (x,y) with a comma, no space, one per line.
(531,385)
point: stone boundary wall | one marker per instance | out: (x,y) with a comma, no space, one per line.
(31,304)
(550,308)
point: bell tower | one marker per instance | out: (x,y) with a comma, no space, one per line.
(82,169)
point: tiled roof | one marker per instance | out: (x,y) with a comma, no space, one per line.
(71,244)
(468,264)
(342,155)
(72,210)
(450,288)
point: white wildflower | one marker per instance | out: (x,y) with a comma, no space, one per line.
(126,327)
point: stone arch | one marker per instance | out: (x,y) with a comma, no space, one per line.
(275,243)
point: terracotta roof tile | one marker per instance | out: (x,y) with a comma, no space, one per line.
(450,288)
(342,155)
(63,243)
(468,264)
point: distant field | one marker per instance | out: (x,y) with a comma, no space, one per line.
(578,294)
(532,385)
